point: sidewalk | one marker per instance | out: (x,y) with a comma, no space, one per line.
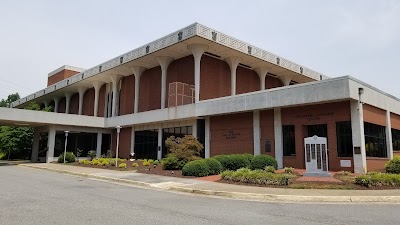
(196,186)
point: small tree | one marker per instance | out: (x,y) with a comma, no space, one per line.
(186,148)
(78,153)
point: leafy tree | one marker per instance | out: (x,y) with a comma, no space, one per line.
(11,98)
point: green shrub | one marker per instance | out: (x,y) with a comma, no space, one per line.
(104,163)
(95,162)
(111,162)
(81,161)
(261,161)
(150,161)
(288,170)
(259,177)
(235,161)
(197,168)
(393,165)
(91,154)
(87,162)
(344,173)
(172,162)
(156,162)
(145,163)
(122,165)
(378,179)
(69,157)
(214,166)
(135,165)
(3,155)
(270,169)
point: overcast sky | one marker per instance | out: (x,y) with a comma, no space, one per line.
(336,38)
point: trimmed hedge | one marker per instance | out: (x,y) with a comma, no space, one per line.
(69,157)
(262,161)
(215,167)
(235,161)
(259,177)
(378,179)
(202,167)
(393,165)
(197,168)
(172,162)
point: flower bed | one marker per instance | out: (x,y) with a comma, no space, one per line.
(258,177)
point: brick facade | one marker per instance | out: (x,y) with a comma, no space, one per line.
(374,115)
(231,134)
(102,95)
(61,105)
(127,95)
(88,102)
(74,104)
(150,90)
(302,116)
(215,78)
(246,80)
(60,76)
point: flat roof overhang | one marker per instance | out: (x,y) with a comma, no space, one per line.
(223,46)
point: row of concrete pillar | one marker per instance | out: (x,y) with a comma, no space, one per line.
(164,61)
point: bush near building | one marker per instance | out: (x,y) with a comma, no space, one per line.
(234,161)
(202,168)
(393,165)
(258,177)
(262,161)
(181,151)
(69,157)
(378,179)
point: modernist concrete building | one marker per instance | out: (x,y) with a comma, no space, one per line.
(233,96)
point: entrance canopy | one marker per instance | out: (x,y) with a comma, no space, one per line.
(30,118)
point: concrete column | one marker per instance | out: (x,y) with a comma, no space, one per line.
(51,141)
(164,62)
(99,143)
(68,96)
(389,142)
(56,101)
(35,146)
(357,127)
(197,51)
(233,63)
(97,85)
(285,79)
(46,103)
(278,137)
(194,129)
(81,91)
(207,138)
(137,70)
(133,140)
(256,133)
(159,150)
(115,90)
(262,73)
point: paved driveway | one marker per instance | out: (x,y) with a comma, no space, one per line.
(29,196)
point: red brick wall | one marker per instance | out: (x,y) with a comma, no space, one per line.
(267,131)
(246,80)
(102,95)
(374,164)
(297,116)
(124,142)
(272,82)
(180,70)
(150,90)
(127,95)
(60,76)
(61,105)
(215,78)
(74,104)
(231,134)
(88,102)
(395,121)
(374,115)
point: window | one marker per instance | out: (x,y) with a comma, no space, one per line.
(344,139)
(289,142)
(375,140)
(396,139)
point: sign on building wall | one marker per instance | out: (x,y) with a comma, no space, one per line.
(314,116)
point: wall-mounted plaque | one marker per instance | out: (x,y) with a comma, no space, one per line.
(357,150)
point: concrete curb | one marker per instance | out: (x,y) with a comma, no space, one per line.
(240,195)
